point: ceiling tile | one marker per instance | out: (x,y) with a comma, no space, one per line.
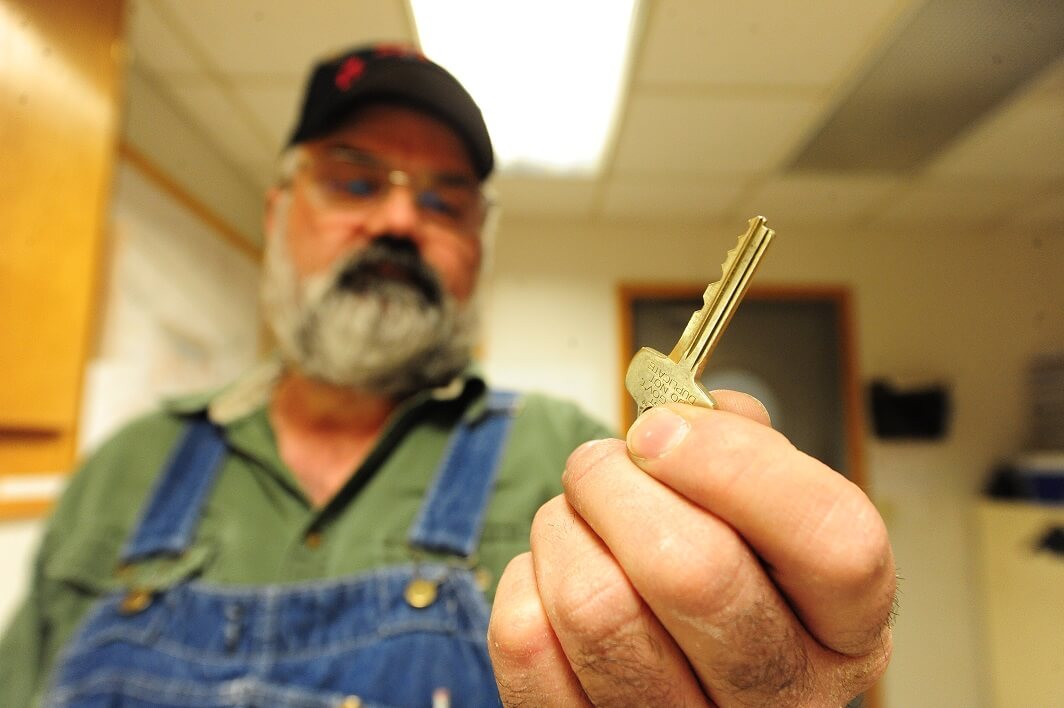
(275,105)
(710,135)
(279,36)
(541,197)
(260,170)
(1050,84)
(161,128)
(221,121)
(951,204)
(724,95)
(1023,139)
(648,199)
(1044,212)
(154,44)
(817,199)
(698,42)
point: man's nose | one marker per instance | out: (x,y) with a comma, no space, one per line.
(396,211)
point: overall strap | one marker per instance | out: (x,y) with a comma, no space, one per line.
(168,523)
(452,516)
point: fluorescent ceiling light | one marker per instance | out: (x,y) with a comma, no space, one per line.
(546,73)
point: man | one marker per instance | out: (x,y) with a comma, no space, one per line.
(327,531)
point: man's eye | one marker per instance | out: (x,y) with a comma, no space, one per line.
(358,187)
(435,202)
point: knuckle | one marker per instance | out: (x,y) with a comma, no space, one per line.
(551,521)
(875,665)
(766,656)
(880,657)
(702,575)
(732,433)
(519,636)
(739,446)
(858,556)
(857,674)
(591,452)
(586,458)
(856,564)
(594,609)
(614,645)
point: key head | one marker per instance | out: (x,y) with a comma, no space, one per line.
(654,379)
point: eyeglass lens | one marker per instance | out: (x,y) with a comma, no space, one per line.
(354,178)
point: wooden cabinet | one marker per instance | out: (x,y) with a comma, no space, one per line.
(60,73)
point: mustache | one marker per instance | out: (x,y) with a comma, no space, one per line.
(388,259)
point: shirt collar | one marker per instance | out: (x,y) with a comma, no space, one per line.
(251,392)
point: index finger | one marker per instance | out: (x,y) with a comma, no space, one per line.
(823,542)
(742,403)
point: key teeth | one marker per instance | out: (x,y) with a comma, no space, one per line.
(733,254)
(711,289)
(729,258)
(729,261)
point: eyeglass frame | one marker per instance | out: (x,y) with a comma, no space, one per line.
(418,184)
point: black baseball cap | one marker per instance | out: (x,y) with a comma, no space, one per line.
(395,74)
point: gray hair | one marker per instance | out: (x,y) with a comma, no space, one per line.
(287,165)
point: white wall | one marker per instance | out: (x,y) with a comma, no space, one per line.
(181,312)
(18,542)
(155,125)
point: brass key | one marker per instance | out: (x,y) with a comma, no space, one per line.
(653,378)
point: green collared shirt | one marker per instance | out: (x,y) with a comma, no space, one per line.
(258,526)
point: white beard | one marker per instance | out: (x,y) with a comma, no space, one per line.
(387,339)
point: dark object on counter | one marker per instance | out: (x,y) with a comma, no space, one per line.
(1037,478)
(1005,483)
(1052,541)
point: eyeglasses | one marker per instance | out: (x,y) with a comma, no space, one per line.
(349,178)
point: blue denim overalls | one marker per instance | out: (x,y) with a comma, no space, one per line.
(357,641)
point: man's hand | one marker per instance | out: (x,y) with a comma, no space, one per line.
(709,562)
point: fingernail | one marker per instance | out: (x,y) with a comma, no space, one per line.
(655,433)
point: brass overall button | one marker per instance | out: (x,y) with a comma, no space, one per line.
(482,577)
(420,593)
(351,702)
(312,539)
(135,601)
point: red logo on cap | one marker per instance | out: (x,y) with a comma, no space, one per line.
(398,50)
(349,72)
